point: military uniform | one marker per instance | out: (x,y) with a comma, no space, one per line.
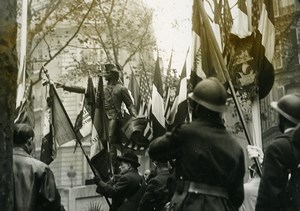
(279,160)
(34,184)
(157,193)
(126,192)
(209,167)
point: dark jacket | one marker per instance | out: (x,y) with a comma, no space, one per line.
(157,193)
(34,184)
(279,160)
(126,192)
(115,95)
(206,153)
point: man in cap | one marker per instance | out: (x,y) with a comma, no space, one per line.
(127,190)
(159,188)
(281,161)
(34,184)
(209,166)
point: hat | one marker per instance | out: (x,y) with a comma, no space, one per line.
(110,68)
(22,133)
(129,157)
(211,94)
(289,107)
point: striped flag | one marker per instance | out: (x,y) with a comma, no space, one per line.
(144,102)
(157,105)
(179,111)
(264,45)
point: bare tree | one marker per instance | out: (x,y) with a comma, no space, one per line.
(8,81)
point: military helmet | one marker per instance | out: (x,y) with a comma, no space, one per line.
(211,94)
(158,148)
(289,107)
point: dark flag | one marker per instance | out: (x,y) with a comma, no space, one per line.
(99,152)
(48,148)
(25,113)
(157,104)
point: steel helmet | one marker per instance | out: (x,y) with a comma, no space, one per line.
(289,107)
(211,94)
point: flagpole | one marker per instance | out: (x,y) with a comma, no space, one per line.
(77,139)
(227,77)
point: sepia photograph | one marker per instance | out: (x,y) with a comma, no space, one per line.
(149,105)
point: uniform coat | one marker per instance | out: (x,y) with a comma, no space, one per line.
(157,192)
(126,192)
(34,184)
(206,153)
(279,159)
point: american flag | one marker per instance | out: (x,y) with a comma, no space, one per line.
(144,107)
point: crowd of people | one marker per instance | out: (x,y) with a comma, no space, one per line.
(198,165)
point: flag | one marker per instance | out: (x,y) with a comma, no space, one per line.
(168,104)
(157,104)
(179,111)
(48,148)
(263,48)
(25,113)
(205,62)
(240,25)
(63,130)
(144,102)
(99,152)
(83,124)
(133,87)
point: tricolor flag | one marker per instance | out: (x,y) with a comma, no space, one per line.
(179,111)
(134,89)
(263,48)
(157,105)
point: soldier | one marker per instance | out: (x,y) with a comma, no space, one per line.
(127,190)
(209,166)
(159,188)
(281,161)
(34,183)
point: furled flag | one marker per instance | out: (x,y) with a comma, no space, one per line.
(48,148)
(83,124)
(179,111)
(264,45)
(168,104)
(25,113)
(134,89)
(99,152)
(157,105)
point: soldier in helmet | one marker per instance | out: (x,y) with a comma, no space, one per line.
(281,161)
(209,166)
